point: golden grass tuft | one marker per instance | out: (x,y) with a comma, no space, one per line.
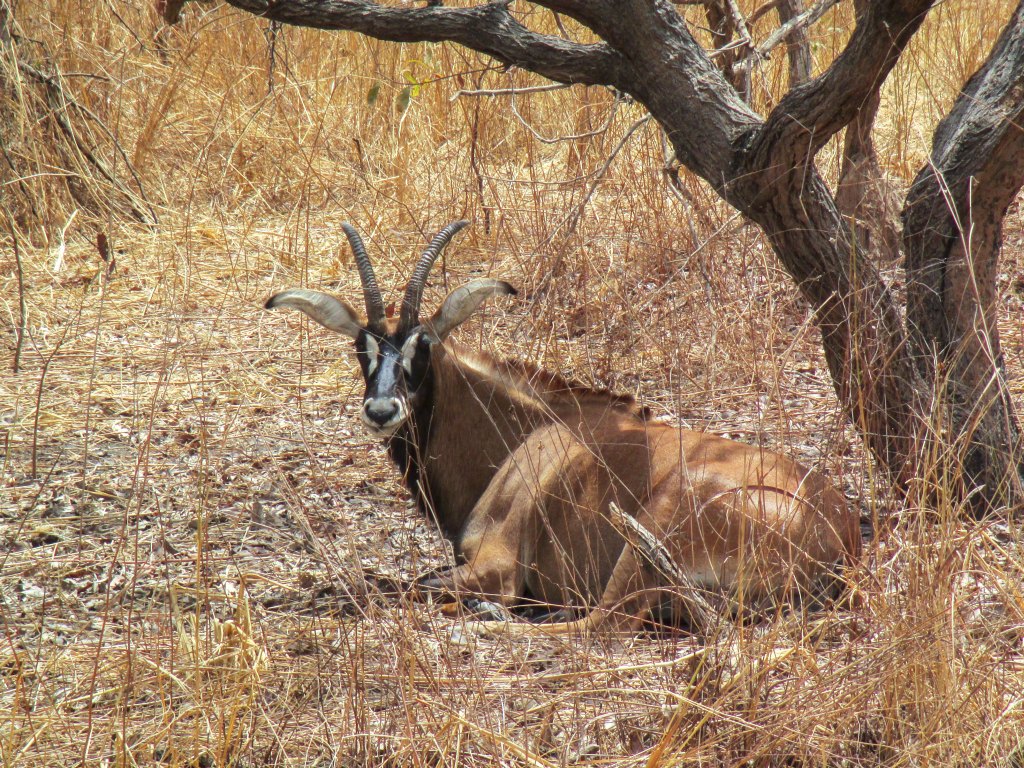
(188,507)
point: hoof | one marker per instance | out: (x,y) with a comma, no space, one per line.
(486,611)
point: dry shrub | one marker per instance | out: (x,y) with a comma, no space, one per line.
(189,508)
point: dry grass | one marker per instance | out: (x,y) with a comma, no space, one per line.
(187,505)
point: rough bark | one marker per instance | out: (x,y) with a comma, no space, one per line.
(488,28)
(763,166)
(952,234)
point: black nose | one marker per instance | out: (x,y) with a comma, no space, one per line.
(381,410)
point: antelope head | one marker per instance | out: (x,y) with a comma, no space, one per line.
(394,356)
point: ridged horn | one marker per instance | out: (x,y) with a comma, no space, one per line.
(410,314)
(371,291)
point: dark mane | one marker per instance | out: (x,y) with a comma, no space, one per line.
(552,386)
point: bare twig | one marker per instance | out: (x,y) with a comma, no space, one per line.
(801,21)
(510,91)
(741,77)
(607,164)
(739,22)
(652,551)
(572,219)
(572,137)
(759,13)
(22,309)
(273,31)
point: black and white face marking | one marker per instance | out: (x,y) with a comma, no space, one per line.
(394,369)
(395,364)
(372,352)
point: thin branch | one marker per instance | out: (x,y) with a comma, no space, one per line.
(731,47)
(739,22)
(740,77)
(22,308)
(573,137)
(806,19)
(572,219)
(759,13)
(510,91)
(608,162)
(653,552)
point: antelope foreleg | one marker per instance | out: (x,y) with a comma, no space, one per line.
(624,605)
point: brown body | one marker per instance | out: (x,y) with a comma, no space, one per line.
(519,468)
(522,470)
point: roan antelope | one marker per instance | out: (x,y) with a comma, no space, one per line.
(520,468)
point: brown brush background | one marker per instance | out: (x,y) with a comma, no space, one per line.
(188,504)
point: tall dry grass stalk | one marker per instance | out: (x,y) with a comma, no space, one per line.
(188,508)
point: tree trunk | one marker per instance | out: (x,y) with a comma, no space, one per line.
(952,233)
(862,333)
(765,169)
(867,200)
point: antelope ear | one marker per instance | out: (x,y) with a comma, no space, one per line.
(462,302)
(331,313)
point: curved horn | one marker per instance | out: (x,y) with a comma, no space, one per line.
(414,292)
(463,301)
(325,309)
(371,292)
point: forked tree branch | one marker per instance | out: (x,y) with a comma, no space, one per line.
(809,115)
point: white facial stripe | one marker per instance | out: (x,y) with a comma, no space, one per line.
(372,352)
(409,352)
